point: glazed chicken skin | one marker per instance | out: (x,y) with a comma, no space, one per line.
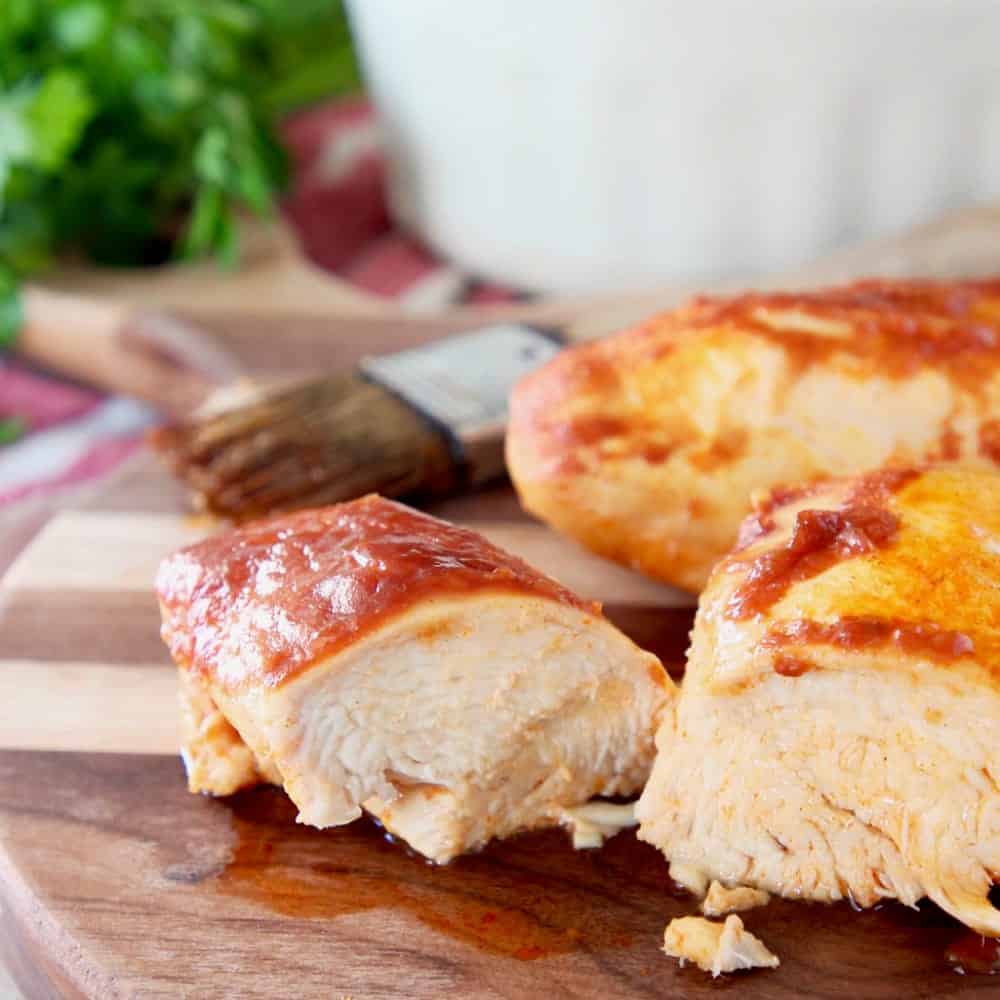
(646,447)
(836,733)
(367,656)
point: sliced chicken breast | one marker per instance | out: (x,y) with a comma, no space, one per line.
(646,447)
(836,733)
(367,656)
(716,947)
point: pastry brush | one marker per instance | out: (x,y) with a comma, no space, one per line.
(425,422)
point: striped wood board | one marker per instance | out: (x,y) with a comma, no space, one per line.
(115,882)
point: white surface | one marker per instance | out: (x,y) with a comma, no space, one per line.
(601,144)
(8,991)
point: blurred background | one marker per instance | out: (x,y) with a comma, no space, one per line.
(546,157)
(388,158)
(569,146)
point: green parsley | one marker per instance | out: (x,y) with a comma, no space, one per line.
(136,130)
(11,428)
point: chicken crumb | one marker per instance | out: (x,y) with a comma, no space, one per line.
(716,947)
(721,900)
(595,822)
(689,877)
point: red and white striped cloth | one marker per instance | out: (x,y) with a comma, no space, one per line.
(338,206)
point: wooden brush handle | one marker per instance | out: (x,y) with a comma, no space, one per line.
(140,353)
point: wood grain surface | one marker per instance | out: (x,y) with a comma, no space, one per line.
(115,882)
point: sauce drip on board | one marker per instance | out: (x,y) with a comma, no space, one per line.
(289,590)
(974,954)
(241,862)
(528,898)
(507,900)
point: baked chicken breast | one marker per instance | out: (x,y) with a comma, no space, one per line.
(836,733)
(645,447)
(367,656)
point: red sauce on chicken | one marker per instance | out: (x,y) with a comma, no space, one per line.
(819,539)
(791,666)
(989,440)
(875,488)
(266,600)
(761,521)
(899,326)
(566,440)
(923,639)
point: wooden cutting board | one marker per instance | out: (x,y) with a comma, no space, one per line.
(115,882)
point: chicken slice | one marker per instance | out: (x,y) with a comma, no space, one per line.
(215,757)
(646,446)
(836,734)
(367,656)
(715,947)
(722,899)
(595,822)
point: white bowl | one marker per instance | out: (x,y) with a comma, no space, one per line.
(572,145)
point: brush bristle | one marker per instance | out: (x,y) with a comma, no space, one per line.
(314,444)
